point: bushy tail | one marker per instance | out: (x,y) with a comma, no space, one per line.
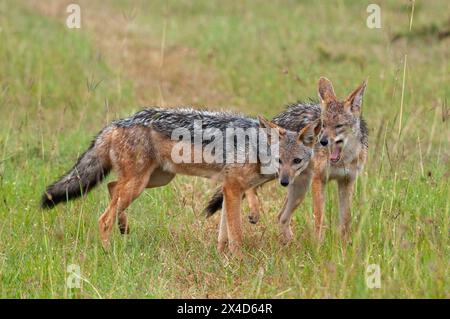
(215,203)
(90,169)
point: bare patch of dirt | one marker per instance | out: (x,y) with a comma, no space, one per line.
(161,75)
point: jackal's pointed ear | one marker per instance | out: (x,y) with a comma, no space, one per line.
(309,133)
(270,127)
(265,123)
(326,91)
(354,101)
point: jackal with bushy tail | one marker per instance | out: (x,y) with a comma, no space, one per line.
(145,151)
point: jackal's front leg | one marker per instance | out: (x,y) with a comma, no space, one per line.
(232,211)
(345,198)
(296,193)
(318,194)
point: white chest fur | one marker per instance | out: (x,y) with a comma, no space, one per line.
(338,172)
(343,171)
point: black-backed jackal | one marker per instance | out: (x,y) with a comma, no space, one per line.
(145,151)
(340,155)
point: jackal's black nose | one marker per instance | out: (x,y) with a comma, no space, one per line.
(284,181)
(324,141)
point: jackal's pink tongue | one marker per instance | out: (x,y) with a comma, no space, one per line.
(335,153)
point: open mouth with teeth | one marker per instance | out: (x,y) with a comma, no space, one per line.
(335,153)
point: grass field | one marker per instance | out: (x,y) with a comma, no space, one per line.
(60,86)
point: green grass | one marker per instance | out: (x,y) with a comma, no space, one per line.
(263,55)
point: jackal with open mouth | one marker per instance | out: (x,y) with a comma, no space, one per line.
(340,154)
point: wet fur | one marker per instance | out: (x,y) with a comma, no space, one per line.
(332,112)
(139,150)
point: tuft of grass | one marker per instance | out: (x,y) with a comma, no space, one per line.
(58,87)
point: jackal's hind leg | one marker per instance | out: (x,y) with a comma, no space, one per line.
(158,178)
(122,220)
(127,189)
(253,203)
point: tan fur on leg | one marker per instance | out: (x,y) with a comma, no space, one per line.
(232,199)
(223,231)
(253,203)
(318,204)
(296,193)
(122,220)
(126,190)
(345,197)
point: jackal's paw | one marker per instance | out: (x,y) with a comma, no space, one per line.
(286,236)
(104,234)
(124,229)
(253,218)
(106,245)
(221,245)
(346,239)
(319,239)
(236,252)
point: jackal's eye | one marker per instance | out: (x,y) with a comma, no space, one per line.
(280,161)
(339,126)
(297,160)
